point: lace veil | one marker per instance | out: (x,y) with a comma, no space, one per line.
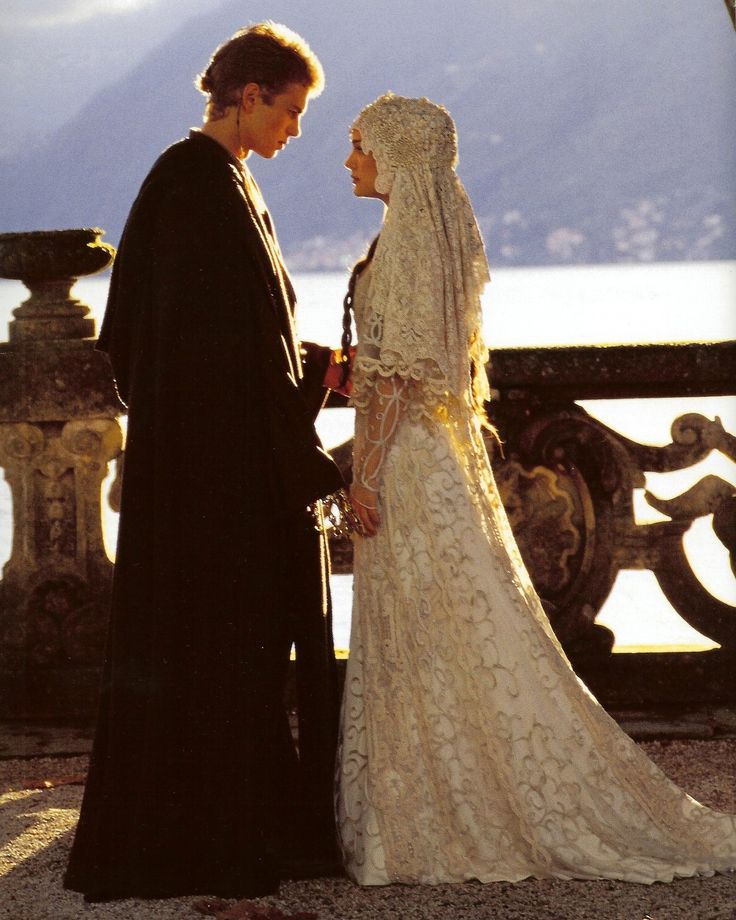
(429,267)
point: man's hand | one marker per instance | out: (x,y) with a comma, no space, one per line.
(364,501)
(334,373)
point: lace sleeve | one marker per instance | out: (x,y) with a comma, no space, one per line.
(381,417)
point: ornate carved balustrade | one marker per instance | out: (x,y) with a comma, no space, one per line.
(593,535)
(58,432)
(567,480)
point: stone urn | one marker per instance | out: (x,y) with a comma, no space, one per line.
(49,262)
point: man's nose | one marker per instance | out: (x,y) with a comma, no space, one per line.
(295,129)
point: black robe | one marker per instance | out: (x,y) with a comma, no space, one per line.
(194,783)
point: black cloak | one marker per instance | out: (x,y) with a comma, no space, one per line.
(194,783)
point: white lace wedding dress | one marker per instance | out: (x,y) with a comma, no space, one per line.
(469,748)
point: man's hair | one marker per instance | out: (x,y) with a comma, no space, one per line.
(267,53)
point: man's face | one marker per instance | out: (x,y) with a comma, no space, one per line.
(271,125)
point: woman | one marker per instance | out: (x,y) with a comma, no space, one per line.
(469,748)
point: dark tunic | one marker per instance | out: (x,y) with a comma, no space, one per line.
(194,784)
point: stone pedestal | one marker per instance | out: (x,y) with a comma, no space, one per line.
(58,433)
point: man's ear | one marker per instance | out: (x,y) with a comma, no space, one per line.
(251,92)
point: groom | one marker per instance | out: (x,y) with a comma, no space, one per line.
(195,785)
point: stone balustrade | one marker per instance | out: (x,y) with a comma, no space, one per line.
(567,480)
(59,431)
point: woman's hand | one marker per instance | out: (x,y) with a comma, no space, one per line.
(364,502)
(335,370)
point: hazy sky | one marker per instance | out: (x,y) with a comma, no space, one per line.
(57,54)
(44,14)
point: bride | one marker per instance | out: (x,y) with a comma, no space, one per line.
(469,748)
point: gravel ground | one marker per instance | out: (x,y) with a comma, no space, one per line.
(37,824)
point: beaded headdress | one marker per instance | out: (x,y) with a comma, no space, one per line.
(429,268)
(403,132)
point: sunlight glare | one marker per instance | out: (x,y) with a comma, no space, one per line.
(40,830)
(710,561)
(643,620)
(6,524)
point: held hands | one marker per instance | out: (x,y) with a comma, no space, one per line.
(364,501)
(334,373)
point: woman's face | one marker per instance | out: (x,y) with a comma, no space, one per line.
(363,170)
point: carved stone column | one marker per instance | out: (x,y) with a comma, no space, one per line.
(58,433)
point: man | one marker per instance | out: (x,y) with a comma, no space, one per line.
(194,783)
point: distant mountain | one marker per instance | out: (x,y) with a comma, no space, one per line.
(58,54)
(590,130)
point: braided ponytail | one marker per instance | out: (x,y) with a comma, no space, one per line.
(348,309)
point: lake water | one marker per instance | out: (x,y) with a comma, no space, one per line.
(554,306)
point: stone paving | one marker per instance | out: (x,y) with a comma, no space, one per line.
(39,803)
